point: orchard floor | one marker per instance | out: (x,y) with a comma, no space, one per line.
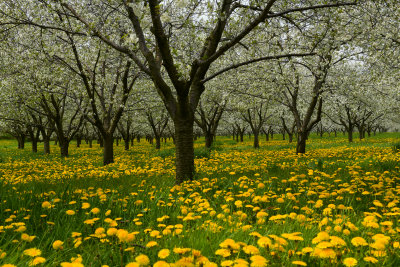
(337,205)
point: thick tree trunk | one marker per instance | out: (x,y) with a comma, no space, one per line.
(64,144)
(350,135)
(46,145)
(34,145)
(283,135)
(90,142)
(267,136)
(101,142)
(301,143)
(21,141)
(108,149)
(256,143)
(126,143)
(241,137)
(158,142)
(184,148)
(290,137)
(209,139)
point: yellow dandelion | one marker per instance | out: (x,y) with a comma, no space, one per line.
(37,261)
(46,205)
(349,262)
(162,254)
(151,244)
(370,259)
(299,263)
(161,264)
(142,259)
(359,241)
(32,252)
(70,212)
(57,245)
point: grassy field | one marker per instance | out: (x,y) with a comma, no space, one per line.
(336,205)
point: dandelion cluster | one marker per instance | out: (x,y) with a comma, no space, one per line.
(336,205)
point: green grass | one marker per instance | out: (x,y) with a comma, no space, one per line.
(139,190)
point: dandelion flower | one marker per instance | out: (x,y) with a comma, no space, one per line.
(359,241)
(162,254)
(32,252)
(299,263)
(142,259)
(370,259)
(70,212)
(349,262)
(37,261)
(57,245)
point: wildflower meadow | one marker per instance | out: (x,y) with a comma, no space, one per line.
(336,205)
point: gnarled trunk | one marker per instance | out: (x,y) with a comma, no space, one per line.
(64,145)
(108,149)
(34,145)
(184,149)
(301,143)
(290,137)
(126,143)
(46,145)
(350,134)
(158,142)
(209,139)
(256,143)
(21,141)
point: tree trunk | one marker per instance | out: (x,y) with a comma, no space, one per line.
(90,142)
(46,145)
(209,139)
(301,143)
(158,142)
(241,137)
(101,142)
(21,141)
(350,135)
(78,141)
(256,143)
(108,149)
(126,142)
(34,145)
(184,148)
(290,137)
(64,144)
(283,135)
